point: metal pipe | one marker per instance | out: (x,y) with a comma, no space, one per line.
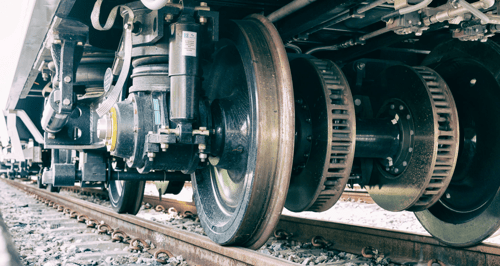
(416,7)
(288,9)
(349,43)
(293,47)
(484,19)
(345,15)
(158,176)
(453,13)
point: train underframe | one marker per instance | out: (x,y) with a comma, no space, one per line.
(264,105)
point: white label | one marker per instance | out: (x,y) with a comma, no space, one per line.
(189,43)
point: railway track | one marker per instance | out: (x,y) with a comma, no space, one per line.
(400,247)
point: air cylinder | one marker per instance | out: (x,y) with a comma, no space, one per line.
(184,70)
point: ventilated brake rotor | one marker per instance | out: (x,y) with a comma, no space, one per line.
(420,102)
(240,195)
(325,131)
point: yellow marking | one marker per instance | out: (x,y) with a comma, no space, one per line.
(114,129)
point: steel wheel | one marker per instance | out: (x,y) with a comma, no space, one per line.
(240,195)
(469,211)
(126,196)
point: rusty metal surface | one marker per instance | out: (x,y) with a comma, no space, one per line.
(399,246)
(194,248)
(357,196)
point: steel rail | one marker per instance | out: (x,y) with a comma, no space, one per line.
(399,246)
(196,249)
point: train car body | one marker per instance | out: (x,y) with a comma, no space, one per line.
(264,105)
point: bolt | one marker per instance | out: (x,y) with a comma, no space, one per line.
(411,133)
(203,157)
(405,163)
(151,156)
(361,66)
(401,107)
(392,106)
(66,101)
(203,20)
(202,147)
(408,117)
(164,147)
(357,102)
(203,4)
(67,79)
(51,136)
(473,82)
(169,17)
(410,150)
(79,43)
(448,195)
(396,170)
(389,161)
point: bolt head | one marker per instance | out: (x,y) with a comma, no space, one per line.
(169,17)
(203,20)
(67,79)
(203,4)
(66,101)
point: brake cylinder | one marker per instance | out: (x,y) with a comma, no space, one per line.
(183,70)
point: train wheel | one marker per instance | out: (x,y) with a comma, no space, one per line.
(240,195)
(126,196)
(469,211)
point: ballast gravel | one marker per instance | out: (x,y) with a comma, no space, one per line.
(44,236)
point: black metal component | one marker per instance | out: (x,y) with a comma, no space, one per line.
(92,166)
(471,202)
(67,51)
(428,120)
(79,131)
(184,70)
(311,16)
(154,176)
(376,138)
(324,136)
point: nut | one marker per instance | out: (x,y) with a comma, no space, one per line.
(151,156)
(164,147)
(203,20)
(169,17)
